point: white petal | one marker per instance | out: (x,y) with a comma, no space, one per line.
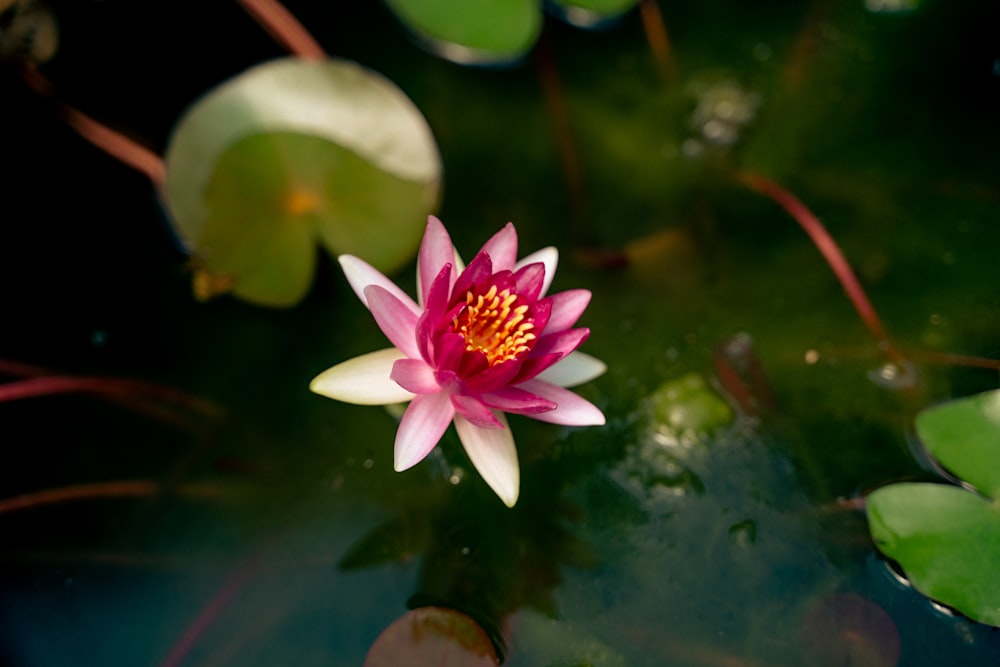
(547,256)
(574,369)
(363,380)
(492,452)
(571,410)
(360,274)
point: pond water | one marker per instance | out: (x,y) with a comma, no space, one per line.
(714,519)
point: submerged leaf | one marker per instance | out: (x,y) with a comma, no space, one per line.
(293,152)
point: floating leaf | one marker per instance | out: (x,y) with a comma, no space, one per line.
(473,31)
(947,538)
(494,32)
(293,152)
(964,435)
(947,541)
(433,636)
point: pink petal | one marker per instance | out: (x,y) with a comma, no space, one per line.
(575,368)
(424,422)
(539,314)
(477,272)
(448,350)
(567,307)
(547,256)
(415,376)
(397,322)
(560,342)
(363,380)
(512,399)
(360,275)
(572,410)
(435,303)
(528,280)
(436,250)
(493,377)
(534,365)
(475,411)
(493,454)
(502,248)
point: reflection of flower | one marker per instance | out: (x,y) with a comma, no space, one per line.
(484,340)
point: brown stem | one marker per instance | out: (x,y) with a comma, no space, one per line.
(831,253)
(122,489)
(282,25)
(555,102)
(656,36)
(112,142)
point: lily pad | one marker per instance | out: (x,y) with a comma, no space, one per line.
(293,152)
(495,32)
(433,636)
(964,436)
(486,32)
(945,537)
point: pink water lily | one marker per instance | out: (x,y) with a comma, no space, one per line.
(481,341)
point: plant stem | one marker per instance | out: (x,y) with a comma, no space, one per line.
(282,25)
(656,37)
(235,582)
(555,102)
(121,489)
(831,253)
(112,142)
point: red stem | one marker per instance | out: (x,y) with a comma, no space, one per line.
(112,142)
(284,28)
(122,489)
(831,253)
(236,581)
(656,37)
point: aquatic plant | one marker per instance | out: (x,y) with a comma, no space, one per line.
(479,342)
(946,537)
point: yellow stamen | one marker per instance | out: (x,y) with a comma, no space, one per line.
(492,324)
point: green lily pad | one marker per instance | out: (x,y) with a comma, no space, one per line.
(946,539)
(964,435)
(473,31)
(291,153)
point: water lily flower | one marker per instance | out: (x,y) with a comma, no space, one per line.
(480,341)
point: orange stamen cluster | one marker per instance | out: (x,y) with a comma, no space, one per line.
(493,324)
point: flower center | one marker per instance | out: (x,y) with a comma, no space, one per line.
(493,323)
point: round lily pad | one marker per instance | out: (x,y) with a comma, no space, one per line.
(485,32)
(432,636)
(293,152)
(964,436)
(946,539)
